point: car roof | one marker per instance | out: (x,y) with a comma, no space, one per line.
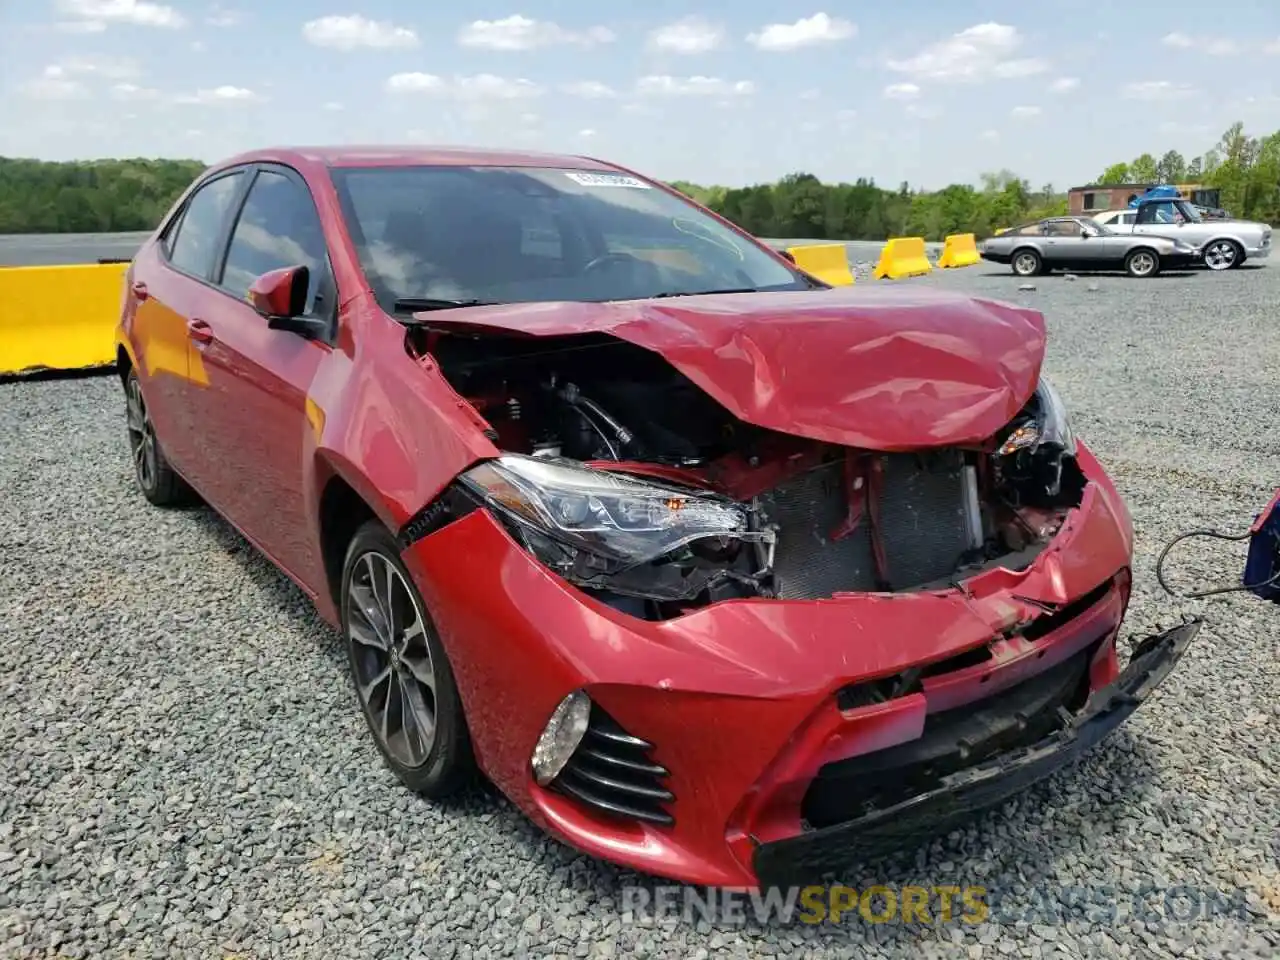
(409,155)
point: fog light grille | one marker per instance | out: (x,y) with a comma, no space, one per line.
(612,772)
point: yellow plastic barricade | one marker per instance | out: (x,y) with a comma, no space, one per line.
(902,257)
(826,261)
(59,318)
(959,250)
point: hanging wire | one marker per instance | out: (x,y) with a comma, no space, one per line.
(1216,535)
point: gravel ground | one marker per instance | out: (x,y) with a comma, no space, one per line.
(187,774)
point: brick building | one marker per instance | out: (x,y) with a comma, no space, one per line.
(1097,197)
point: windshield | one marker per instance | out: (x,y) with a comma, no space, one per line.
(506,234)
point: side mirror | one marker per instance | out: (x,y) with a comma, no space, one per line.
(281,297)
(1088,232)
(787,255)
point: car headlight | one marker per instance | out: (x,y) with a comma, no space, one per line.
(589,524)
(1045,424)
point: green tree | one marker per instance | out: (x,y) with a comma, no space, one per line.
(1143,169)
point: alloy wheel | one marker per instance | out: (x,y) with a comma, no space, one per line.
(1220,255)
(1025,264)
(142,436)
(394,672)
(1142,264)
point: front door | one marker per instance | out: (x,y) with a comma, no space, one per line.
(252,415)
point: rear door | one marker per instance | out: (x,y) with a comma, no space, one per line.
(253,419)
(169,294)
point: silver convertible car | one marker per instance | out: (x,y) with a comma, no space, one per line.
(1083,245)
(1224,243)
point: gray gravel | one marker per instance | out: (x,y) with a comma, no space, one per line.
(186,774)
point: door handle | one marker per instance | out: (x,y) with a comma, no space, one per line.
(199,331)
(140,290)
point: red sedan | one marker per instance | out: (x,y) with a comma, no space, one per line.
(714,570)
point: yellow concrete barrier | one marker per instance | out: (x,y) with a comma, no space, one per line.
(826,261)
(59,318)
(959,250)
(902,257)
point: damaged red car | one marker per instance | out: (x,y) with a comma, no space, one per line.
(714,570)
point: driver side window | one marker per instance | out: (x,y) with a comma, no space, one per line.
(278,227)
(1164,212)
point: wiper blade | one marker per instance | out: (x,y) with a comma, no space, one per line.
(701,293)
(436,303)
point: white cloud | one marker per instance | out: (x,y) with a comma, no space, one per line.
(586,134)
(518,32)
(333,106)
(110,68)
(220,16)
(484,86)
(1273,47)
(981,52)
(806,32)
(666,86)
(53,86)
(131,91)
(1178,40)
(814,94)
(590,90)
(94,15)
(1023,113)
(352,32)
(921,112)
(990,135)
(687,35)
(1222,48)
(216,95)
(1156,90)
(901,91)
(1064,84)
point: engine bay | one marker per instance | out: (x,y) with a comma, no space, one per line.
(819,519)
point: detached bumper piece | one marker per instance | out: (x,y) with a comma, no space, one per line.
(611,772)
(959,795)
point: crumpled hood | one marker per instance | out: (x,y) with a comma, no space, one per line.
(878,367)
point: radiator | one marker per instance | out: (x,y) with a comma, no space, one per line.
(924,524)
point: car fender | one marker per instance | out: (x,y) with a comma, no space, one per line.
(392,428)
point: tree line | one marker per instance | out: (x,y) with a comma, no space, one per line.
(103,196)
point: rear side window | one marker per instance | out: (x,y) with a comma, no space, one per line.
(192,250)
(278,227)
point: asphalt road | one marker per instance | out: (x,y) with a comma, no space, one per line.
(36,249)
(41,249)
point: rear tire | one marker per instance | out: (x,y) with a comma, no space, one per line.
(157,480)
(1142,263)
(402,677)
(1026,263)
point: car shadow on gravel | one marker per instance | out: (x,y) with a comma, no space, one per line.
(1165,275)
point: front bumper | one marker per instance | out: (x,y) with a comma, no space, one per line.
(808,856)
(1257,253)
(741,700)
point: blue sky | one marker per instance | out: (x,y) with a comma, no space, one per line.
(926,91)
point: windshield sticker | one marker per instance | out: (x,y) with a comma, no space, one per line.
(607,180)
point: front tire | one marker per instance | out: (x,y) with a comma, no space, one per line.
(1142,263)
(402,677)
(157,480)
(1222,255)
(1027,263)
